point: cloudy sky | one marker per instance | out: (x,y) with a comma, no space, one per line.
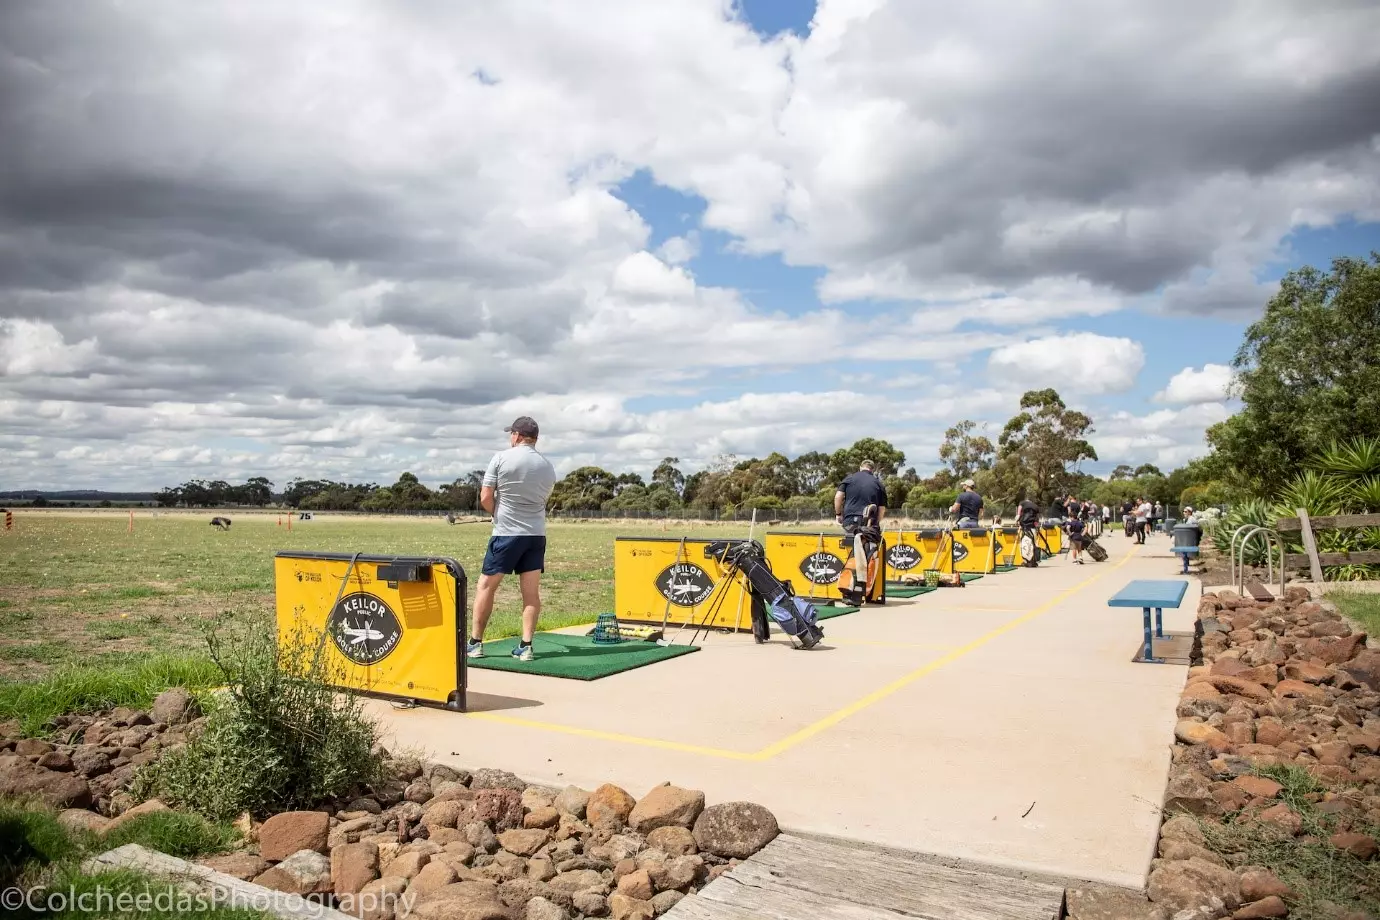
(348,238)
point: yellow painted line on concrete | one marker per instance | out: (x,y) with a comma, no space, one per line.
(785,744)
(877,696)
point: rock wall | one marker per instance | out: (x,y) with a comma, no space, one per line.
(431,842)
(1282,683)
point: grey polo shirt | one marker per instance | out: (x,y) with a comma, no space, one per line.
(522,480)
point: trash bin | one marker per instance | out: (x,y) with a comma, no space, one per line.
(1187,534)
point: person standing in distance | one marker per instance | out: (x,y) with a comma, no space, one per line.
(969,505)
(858,491)
(516,487)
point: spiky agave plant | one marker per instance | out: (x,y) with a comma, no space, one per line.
(1315,492)
(1364,494)
(1352,459)
(1252,511)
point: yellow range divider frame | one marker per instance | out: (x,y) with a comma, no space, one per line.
(1054,536)
(918,550)
(391,627)
(650,578)
(1009,546)
(813,563)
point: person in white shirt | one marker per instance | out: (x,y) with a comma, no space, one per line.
(516,486)
(1143,512)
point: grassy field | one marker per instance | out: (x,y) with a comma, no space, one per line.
(77,587)
(1364,608)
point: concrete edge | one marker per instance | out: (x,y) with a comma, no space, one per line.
(227,890)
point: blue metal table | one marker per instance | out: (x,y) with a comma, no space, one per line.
(1150,594)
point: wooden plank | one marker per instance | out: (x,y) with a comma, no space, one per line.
(697,907)
(912,887)
(1364,557)
(1258,591)
(1330,522)
(779,902)
(1310,546)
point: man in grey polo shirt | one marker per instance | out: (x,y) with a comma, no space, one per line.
(516,486)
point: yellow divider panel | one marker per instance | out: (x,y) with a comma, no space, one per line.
(386,635)
(973,550)
(812,563)
(653,578)
(1054,536)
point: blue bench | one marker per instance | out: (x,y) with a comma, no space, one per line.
(1148,595)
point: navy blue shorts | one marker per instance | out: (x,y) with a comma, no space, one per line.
(515,555)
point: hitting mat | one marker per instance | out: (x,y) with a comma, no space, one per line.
(829,611)
(576,657)
(905,590)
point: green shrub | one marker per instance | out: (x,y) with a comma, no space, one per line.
(283,738)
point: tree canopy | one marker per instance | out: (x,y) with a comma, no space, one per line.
(1307,374)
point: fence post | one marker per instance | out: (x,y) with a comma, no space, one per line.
(1310,546)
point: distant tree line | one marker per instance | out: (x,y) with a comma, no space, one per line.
(1037,455)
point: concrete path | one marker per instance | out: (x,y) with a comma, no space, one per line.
(1003,723)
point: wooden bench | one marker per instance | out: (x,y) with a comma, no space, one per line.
(1150,594)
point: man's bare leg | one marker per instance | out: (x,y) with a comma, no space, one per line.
(531,602)
(484,595)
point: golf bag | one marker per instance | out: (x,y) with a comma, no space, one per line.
(1094,549)
(862,578)
(1030,545)
(772,598)
(1029,521)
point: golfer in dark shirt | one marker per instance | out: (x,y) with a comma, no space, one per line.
(856,492)
(969,506)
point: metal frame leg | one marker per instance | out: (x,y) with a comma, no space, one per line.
(1185,558)
(1149,655)
(1159,623)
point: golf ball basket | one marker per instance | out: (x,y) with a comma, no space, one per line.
(607,630)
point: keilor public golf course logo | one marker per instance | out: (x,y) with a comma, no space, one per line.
(903,557)
(960,552)
(364,628)
(684,584)
(821,568)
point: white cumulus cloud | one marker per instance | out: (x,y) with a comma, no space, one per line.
(1081,362)
(1192,385)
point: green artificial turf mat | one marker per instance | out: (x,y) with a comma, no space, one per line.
(908,591)
(970,576)
(828,611)
(1001,569)
(576,657)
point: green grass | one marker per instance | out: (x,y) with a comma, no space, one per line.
(78,688)
(175,833)
(1363,608)
(36,851)
(1322,876)
(66,577)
